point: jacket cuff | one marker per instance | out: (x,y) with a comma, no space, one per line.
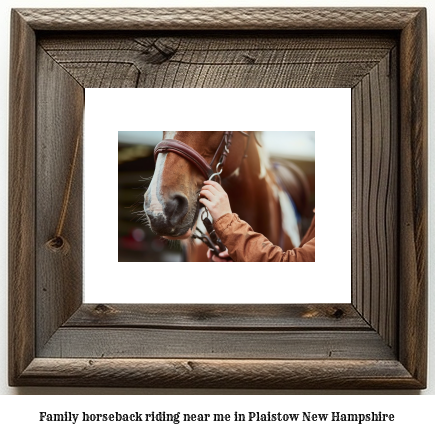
(224,222)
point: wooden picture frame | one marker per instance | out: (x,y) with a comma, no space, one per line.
(377,341)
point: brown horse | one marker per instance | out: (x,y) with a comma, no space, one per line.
(256,193)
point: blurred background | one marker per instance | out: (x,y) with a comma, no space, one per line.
(136,242)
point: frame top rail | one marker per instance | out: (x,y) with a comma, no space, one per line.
(219,18)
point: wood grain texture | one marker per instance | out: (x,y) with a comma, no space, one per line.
(220,317)
(127,342)
(21,197)
(413,197)
(220,18)
(233,60)
(379,342)
(60,105)
(375,197)
(250,374)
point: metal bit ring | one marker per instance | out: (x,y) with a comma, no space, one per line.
(217,175)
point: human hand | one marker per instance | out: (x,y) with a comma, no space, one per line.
(214,197)
(223,256)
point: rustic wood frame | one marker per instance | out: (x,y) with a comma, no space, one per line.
(377,341)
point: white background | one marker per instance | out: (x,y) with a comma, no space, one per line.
(325,111)
(414,412)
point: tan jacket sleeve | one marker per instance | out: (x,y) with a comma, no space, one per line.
(245,245)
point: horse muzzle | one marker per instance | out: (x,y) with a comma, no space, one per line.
(173,220)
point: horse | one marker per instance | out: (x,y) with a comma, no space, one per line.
(256,188)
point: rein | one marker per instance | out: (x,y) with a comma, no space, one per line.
(190,154)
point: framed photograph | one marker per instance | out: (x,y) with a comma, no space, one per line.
(377,341)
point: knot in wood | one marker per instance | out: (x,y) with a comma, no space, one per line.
(58,244)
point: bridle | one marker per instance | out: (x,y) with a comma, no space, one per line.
(190,154)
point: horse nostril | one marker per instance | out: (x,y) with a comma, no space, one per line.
(176,208)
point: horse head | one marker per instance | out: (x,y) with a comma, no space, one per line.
(184,159)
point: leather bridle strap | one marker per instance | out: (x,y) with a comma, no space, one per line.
(185,151)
